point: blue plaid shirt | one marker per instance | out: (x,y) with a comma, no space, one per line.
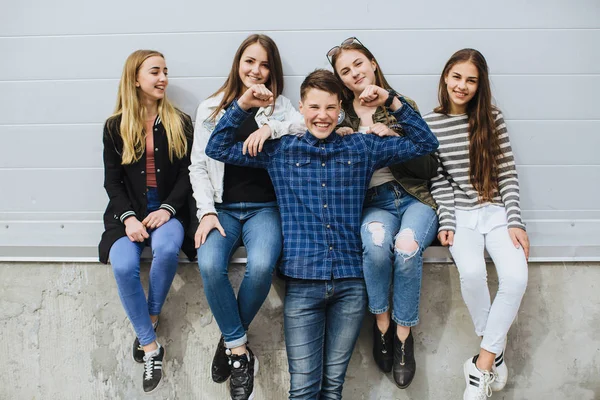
(320,187)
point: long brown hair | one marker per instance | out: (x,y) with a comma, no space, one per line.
(483,138)
(133,114)
(233,84)
(347,95)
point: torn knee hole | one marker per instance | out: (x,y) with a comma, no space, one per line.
(377,233)
(405,242)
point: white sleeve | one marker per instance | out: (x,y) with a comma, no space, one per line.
(201,184)
(291,118)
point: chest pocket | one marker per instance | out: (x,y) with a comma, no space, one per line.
(350,168)
(298,170)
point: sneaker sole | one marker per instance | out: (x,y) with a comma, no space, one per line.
(466,375)
(160,383)
(251,397)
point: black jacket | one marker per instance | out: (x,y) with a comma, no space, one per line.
(126,184)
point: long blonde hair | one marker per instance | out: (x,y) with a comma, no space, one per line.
(133,114)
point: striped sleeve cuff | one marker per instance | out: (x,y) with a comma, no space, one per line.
(169,208)
(126,215)
(516,224)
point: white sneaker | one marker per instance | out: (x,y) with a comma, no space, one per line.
(478,382)
(501,371)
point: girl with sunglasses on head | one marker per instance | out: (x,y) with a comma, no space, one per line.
(237,205)
(147,145)
(477,192)
(399,219)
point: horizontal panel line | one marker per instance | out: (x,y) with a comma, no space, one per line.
(56,124)
(50,168)
(550,75)
(370,31)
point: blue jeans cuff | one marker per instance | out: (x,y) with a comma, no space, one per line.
(405,323)
(236,342)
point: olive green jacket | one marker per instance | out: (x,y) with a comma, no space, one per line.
(413,175)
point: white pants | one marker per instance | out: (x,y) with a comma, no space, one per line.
(492,321)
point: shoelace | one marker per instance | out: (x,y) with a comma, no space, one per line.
(148,367)
(485,390)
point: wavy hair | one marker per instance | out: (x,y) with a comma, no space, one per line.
(484,147)
(233,85)
(133,114)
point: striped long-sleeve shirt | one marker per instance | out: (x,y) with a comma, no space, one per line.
(452,188)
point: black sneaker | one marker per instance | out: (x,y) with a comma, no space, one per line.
(153,371)
(220,368)
(138,350)
(383,352)
(243,370)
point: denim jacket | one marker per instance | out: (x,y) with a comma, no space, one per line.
(206,174)
(413,175)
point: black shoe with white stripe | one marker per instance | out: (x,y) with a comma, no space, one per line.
(478,381)
(153,371)
(501,372)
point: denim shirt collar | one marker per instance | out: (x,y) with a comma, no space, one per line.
(314,141)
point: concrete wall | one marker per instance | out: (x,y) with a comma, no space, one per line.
(64,335)
(63,59)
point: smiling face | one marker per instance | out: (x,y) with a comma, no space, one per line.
(320,110)
(254,66)
(462,82)
(355,70)
(152,80)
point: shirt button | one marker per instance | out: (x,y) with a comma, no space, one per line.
(323,147)
(155,129)
(158,170)
(349,162)
(297,164)
(330,247)
(328,226)
(143,172)
(322,184)
(325,206)
(156,149)
(322,164)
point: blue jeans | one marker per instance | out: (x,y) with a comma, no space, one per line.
(390,213)
(165,242)
(322,320)
(258,227)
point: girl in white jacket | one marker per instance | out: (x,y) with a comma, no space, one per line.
(237,205)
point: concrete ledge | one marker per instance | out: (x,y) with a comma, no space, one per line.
(64,335)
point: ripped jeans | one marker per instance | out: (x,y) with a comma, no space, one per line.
(396,229)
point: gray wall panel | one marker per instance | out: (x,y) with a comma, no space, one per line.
(51,146)
(209,54)
(44,190)
(91,101)
(37,17)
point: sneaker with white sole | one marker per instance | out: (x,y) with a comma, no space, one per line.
(501,371)
(478,382)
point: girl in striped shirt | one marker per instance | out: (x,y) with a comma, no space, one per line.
(477,193)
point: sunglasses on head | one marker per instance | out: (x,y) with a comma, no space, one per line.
(336,49)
